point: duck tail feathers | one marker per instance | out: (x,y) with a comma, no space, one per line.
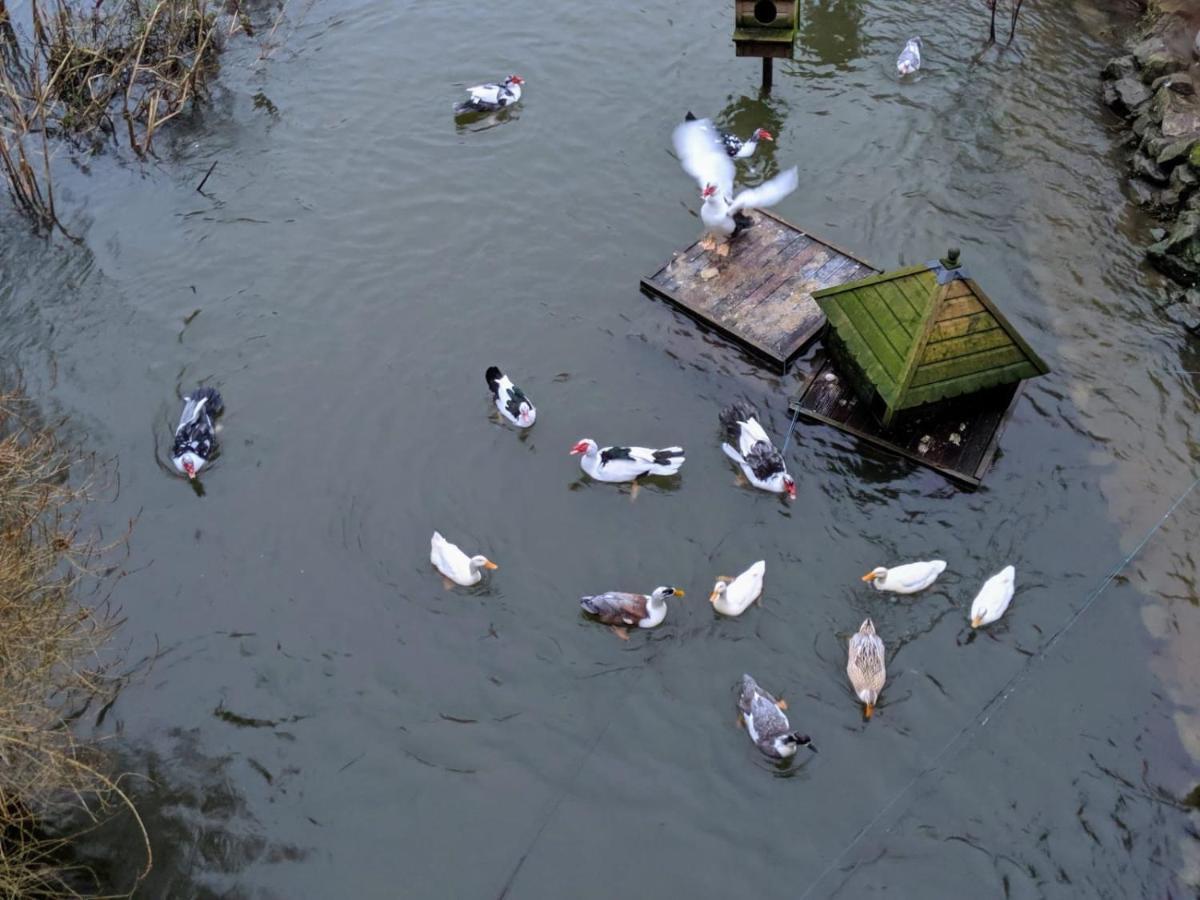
(735,413)
(493,376)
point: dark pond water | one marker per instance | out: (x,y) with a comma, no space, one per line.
(325,721)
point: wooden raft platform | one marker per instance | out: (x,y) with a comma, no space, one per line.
(761,296)
(955,437)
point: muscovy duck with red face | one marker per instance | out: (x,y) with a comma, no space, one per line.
(760,462)
(734,145)
(620,464)
(510,400)
(195,435)
(491,96)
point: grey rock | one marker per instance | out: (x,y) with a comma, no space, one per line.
(1150,46)
(1153,143)
(1176,151)
(1145,167)
(1179,83)
(1178,255)
(1183,313)
(1140,124)
(1157,234)
(1181,115)
(1142,193)
(1127,95)
(1159,64)
(1196,45)
(1168,200)
(1184,178)
(1119,67)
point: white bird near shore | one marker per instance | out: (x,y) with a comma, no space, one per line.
(993,598)
(909,60)
(906,579)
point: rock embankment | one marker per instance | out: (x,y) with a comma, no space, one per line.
(1155,87)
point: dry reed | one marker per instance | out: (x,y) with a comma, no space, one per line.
(52,663)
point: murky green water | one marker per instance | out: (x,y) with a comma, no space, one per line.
(326,721)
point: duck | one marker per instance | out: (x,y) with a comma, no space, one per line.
(763,718)
(909,60)
(702,155)
(624,464)
(619,610)
(993,598)
(865,666)
(196,435)
(491,96)
(760,462)
(455,565)
(906,579)
(735,147)
(510,400)
(733,596)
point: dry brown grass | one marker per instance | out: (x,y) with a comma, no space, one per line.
(52,663)
(89,72)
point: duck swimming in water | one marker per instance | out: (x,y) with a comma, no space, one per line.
(865,666)
(195,435)
(620,610)
(749,447)
(455,565)
(510,400)
(906,579)
(491,96)
(993,598)
(909,60)
(735,147)
(733,596)
(763,718)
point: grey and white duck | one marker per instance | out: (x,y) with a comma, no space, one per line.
(764,720)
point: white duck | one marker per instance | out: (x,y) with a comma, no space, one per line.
(732,597)
(702,154)
(455,565)
(510,400)
(993,598)
(906,579)
(763,718)
(735,147)
(621,464)
(491,96)
(761,463)
(910,57)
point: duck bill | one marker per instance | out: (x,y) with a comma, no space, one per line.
(870,576)
(868,710)
(679,593)
(712,598)
(977,621)
(490,565)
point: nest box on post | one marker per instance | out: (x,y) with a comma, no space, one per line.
(765,28)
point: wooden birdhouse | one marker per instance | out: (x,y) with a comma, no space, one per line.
(765,28)
(920,335)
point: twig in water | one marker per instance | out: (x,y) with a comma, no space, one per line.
(204,180)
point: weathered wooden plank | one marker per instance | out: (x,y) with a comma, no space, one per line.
(964,345)
(951,369)
(946,329)
(963,306)
(956,289)
(956,438)
(874,340)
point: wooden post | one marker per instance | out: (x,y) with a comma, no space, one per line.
(768,73)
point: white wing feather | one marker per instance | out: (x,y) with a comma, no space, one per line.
(485,93)
(752,433)
(702,155)
(768,193)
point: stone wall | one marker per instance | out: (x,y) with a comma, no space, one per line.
(1154,87)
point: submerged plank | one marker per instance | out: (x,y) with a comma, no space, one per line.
(760,296)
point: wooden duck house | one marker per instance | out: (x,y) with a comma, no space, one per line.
(765,28)
(921,362)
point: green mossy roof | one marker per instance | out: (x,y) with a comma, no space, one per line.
(924,333)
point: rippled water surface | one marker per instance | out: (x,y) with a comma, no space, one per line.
(325,720)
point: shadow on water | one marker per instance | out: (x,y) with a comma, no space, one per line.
(831,31)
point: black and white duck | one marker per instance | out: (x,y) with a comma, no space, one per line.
(736,147)
(749,447)
(510,400)
(491,96)
(195,435)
